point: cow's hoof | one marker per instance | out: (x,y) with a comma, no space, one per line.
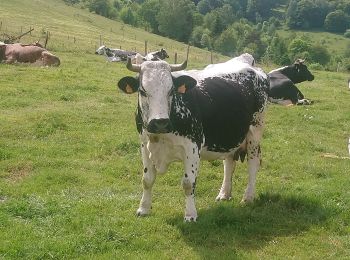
(223,197)
(190,219)
(142,212)
(247,200)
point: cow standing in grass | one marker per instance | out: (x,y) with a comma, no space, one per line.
(282,84)
(215,113)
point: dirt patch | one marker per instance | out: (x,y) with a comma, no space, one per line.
(19,172)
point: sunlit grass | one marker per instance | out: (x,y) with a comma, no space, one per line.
(70,169)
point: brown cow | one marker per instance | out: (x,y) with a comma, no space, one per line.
(11,53)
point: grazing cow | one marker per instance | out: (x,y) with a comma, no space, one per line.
(282,84)
(11,53)
(215,113)
(115,54)
(157,55)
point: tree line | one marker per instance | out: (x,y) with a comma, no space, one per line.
(235,26)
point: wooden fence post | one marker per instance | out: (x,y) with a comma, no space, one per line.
(211,57)
(47,38)
(0,25)
(175,62)
(146,48)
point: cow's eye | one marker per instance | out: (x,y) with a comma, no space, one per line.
(142,92)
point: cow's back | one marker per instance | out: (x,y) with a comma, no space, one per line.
(24,53)
(227,104)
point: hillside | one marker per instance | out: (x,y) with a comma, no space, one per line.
(75,30)
(70,165)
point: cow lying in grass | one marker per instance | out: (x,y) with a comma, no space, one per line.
(215,113)
(27,53)
(282,84)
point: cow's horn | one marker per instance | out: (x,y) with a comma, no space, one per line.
(133,67)
(177,67)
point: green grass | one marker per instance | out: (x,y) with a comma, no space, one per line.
(70,168)
(335,43)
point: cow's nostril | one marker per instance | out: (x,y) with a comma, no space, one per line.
(158,126)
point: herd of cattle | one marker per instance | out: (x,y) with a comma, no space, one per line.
(282,80)
(187,115)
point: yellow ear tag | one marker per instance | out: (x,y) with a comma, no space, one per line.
(128,89)
(182,89)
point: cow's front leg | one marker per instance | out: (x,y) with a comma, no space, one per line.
(148,179)
(189,184)
(254,160)
(226,187)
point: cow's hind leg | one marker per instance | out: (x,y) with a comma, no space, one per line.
(226,187)
(148,179)
(254,159)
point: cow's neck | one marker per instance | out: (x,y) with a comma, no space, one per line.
(289,72)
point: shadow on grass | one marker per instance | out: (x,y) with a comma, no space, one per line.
(225,230)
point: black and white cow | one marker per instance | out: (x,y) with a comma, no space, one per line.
(157,55)
(215,113)
(115,54)
(282,84)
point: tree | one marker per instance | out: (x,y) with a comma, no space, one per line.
(176,18)
(292,13)
(298,48)
(127,16)
(101,7)
(213,21)
(148,12)
(227,42)
(319,54)
(336,21)
(307,14)
(277,51)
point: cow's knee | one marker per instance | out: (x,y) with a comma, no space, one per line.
(189,184)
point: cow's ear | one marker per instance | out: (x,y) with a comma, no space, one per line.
(128,85)
(184,83)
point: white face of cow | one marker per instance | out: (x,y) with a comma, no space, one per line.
(156,87)
(155,95)
(101,50)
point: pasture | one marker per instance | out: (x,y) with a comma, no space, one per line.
(70,167)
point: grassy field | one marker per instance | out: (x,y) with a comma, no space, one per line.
(70,168)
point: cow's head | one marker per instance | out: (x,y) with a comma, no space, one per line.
(156,87)
(101,50)
(301,72)
(163,54)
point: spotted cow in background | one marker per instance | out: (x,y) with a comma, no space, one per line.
(215,113)
(282,84)
(157,55)
(115,54)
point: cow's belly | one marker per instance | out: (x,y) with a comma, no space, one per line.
(210,155)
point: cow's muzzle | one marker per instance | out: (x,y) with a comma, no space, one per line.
(159,126)
(311,78)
